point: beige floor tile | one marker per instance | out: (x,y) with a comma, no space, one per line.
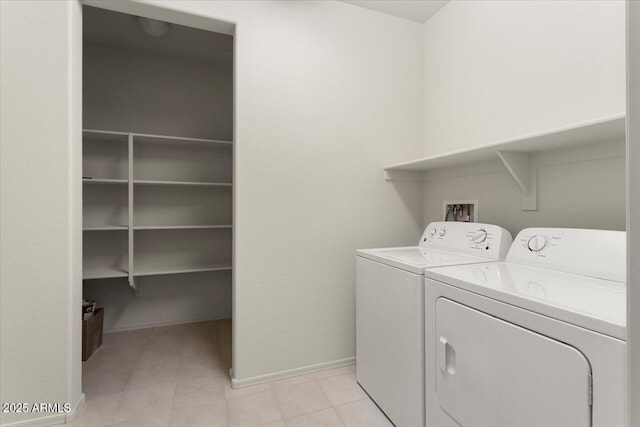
(342,389)
(178,330)
(144,403)
(201,339)
(349,369)
(97,410)
(275,424)
(193,370)
(363,413)
(132,334)
(152,377)
(159,359)
(97,383)
(253,410)
(324,418)
(301,399)
(209,351)
(136,339)
(209,328)
(142,422)
(198,392)
(224,328)
(232,393)
(299,379)
(208,415)
(165,343)
(115,359)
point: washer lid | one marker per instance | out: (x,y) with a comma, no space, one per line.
(416,258)
(595,304)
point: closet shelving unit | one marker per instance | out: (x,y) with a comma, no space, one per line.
(155,205)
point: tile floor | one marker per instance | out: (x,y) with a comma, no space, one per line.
(178,376)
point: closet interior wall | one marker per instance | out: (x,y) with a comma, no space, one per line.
(136,84)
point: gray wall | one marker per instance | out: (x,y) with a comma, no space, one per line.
(137,91)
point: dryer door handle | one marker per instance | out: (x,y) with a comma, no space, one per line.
(446,356)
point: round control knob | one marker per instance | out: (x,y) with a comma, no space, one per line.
(479,236)
(537,243)
(442,232)
(432,232)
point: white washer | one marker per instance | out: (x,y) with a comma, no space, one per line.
(390,310)
(537,340)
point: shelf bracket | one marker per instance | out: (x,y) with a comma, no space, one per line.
(132,285)
(525,174)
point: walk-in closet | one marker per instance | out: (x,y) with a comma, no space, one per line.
(157,181)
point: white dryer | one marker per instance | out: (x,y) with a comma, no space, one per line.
(390,310)
(537,340)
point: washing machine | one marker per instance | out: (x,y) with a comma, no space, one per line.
(390,310)
(537,340)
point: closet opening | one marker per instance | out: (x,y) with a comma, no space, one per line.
(157,166)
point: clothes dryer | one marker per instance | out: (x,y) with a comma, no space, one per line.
(535,340)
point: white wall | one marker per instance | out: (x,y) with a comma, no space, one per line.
(500,69)
(137,91)
(496,70)
(633,213)
(326,94)
(40,194)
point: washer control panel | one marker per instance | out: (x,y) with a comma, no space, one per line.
(485,240)
(596,253)
(537,242)
(541,244)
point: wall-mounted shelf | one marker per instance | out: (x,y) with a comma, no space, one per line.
(159,270)
(187,183)
(179,227)
(105,228)
(164,139)
(103,181)
(515,153)
(103,273)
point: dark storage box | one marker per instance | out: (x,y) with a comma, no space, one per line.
(92,333)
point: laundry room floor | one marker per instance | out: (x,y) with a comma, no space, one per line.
(178,376)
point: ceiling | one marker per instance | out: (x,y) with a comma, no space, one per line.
(414,10)
(105,27)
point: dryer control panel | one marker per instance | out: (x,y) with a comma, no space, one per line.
(486,240)
(595,253)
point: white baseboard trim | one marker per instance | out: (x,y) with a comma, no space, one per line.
(74,412)
(160,324)
(246,382)
(50,420)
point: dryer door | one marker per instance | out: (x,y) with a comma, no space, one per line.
(491,373)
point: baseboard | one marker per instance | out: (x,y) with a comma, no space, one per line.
(160,324)
(74,412)
(50,420)
(246,382)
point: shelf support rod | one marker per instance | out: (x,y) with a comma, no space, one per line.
(132,282)
(525,174)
